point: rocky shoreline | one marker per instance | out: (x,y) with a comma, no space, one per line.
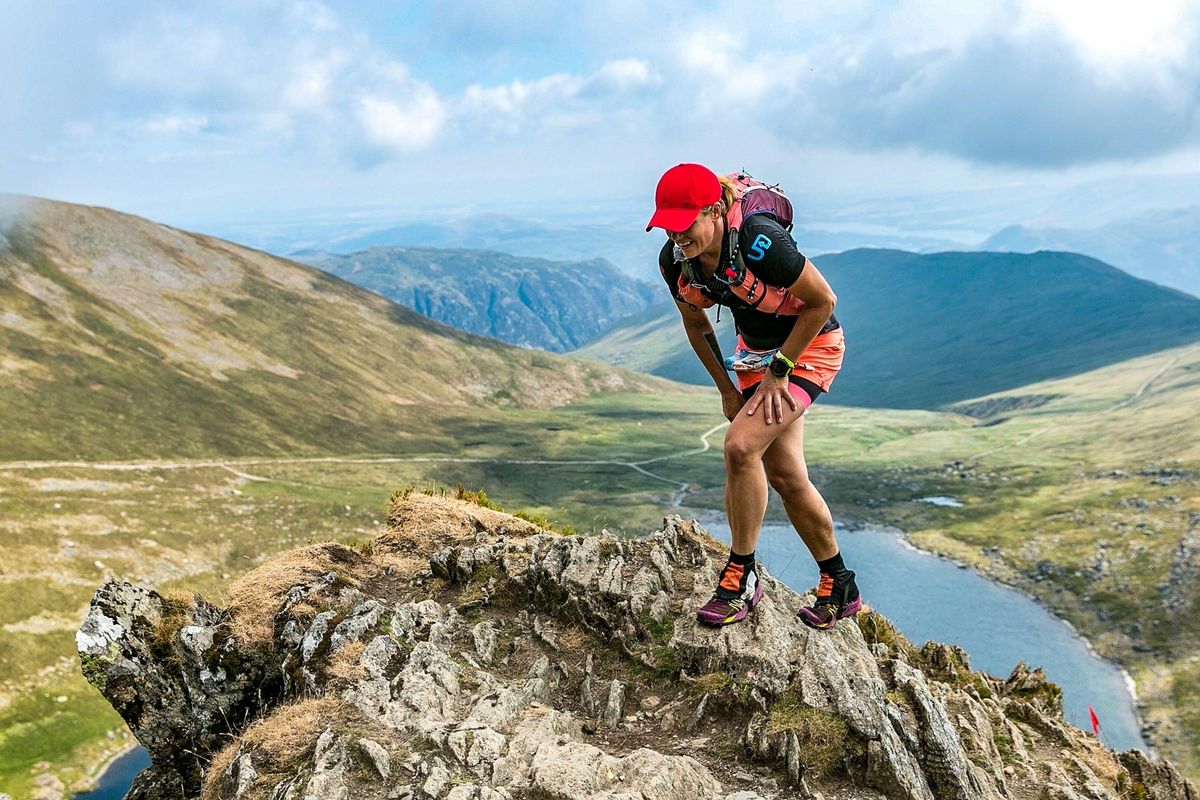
(99,771)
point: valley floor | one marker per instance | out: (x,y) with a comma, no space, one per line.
(1087,500)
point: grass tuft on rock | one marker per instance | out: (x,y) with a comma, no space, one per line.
(283,741)
(164,638)
(254,598)
(821,734)
(724,691)
(876,629)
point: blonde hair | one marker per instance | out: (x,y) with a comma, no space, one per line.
(729,194)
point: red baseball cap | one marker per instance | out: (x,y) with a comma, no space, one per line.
(682,191)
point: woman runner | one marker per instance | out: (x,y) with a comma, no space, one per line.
(765,441)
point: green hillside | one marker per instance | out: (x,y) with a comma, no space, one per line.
(531,302)
(123,338)
(926,331)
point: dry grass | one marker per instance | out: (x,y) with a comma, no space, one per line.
(176,607)
(344,666)
(877,629)
(822,735)
(254,599)
(421,524)
(281,741)
(713,683)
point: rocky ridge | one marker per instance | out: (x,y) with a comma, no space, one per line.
(465,654)
(529,302)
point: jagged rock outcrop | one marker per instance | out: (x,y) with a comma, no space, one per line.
(469,655)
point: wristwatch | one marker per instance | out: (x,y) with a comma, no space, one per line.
(781,365)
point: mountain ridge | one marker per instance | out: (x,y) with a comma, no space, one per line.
(218,349)
(529,302)
(929,330)
(1160,246)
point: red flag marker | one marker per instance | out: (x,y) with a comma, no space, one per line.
(1095,721)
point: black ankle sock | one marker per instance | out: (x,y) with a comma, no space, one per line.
(844,578)
(832,566)
(745,560)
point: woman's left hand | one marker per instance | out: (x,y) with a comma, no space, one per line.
(772,395)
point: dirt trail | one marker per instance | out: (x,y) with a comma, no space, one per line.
(238,466)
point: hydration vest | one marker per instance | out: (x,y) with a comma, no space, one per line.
(751,197)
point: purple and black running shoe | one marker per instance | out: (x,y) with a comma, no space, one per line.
(836,599)
(738,592)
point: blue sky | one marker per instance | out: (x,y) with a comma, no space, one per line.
(192,112)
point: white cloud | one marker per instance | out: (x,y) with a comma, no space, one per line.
(615,91)
(310,86)
(1024,83)
(297,90)
(1108,30)
(391,126)
(313,83)
(509,107)
(186,57)
(625,74)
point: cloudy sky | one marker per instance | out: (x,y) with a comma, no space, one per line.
(189,112)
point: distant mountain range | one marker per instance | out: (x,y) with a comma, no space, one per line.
(531,302)
(826,221)
(926,331)
(1160,246)
(120,337)
(623,243)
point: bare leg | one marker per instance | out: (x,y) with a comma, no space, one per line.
(746,443)
(837,594)
(805,507)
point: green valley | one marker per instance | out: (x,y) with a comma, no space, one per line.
(1084,492)
(123,338)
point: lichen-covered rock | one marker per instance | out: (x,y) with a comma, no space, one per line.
(948,770)
(474,656)
(176,675)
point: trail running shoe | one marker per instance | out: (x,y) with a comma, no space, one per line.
(745,360)
(738,592)
(836,599)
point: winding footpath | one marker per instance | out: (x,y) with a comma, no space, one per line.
(237,467)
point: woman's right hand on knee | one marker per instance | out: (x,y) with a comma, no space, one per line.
(731,403)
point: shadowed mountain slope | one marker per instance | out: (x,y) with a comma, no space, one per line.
(924,331)
(532,302)
(120,337)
